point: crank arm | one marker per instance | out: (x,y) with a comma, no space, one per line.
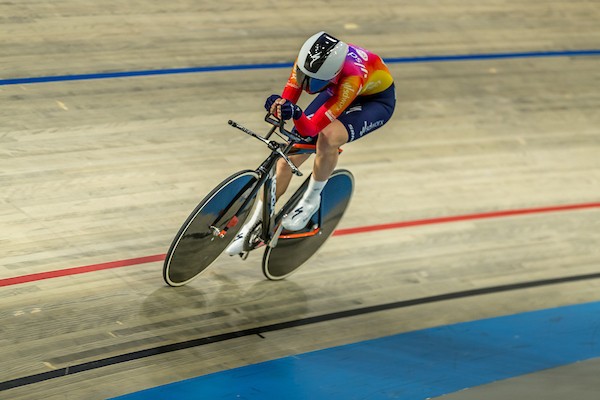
(276,234)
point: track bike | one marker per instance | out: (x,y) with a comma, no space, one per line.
(217,219)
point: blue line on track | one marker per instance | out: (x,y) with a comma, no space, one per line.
(397,60)
(409,366)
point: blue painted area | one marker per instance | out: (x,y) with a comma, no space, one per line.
(410,366)
(397,60)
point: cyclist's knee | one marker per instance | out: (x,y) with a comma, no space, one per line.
(332,137)
(282,165)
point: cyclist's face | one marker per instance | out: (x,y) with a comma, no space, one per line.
(310,85)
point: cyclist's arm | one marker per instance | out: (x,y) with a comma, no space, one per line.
(292,90)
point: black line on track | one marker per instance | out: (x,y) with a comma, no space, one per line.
(136,355)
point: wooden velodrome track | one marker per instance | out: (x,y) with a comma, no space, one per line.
(97,171)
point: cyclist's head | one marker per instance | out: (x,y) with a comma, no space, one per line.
(320,60)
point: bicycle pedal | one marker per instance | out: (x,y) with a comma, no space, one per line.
(244,255)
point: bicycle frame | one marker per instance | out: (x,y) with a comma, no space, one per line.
(202,237)
(267,179)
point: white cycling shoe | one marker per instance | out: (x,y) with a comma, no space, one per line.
(300,215)
(237,245)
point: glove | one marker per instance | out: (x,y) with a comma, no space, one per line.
(290,110)
(270,101)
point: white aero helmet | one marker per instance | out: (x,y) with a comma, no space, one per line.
(321,59)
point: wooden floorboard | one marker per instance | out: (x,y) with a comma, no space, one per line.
(102,170)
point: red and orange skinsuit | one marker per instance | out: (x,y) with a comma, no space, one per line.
(363,73)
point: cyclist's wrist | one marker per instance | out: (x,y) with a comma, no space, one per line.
(297,114)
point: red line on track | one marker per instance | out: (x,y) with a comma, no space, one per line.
(467,217)
(340,232)
(80,270)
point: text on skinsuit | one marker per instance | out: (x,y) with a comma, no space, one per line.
(371,126)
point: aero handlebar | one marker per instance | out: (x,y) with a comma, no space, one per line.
(274,146)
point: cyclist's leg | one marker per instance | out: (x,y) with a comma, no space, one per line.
(363,116)
(330,140)
(369,113)
(284,175)
(237,244)
(284,172)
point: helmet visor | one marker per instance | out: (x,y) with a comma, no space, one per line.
(311,85)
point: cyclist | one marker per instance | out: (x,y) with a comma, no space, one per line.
(356,96)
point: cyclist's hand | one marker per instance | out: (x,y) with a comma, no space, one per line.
(289,110)
(269,103)
(282,108)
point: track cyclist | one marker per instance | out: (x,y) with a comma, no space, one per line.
(356,96)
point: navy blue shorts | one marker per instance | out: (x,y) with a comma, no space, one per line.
(363,115)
